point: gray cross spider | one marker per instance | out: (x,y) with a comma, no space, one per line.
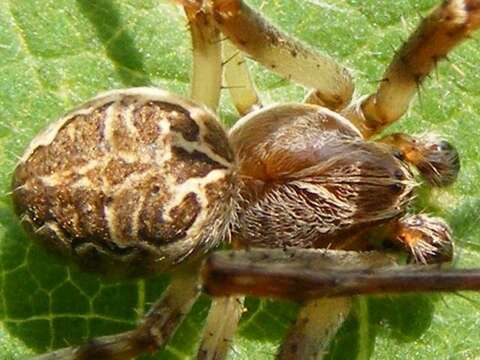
(308,196)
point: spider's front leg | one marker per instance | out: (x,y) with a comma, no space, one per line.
(447,26)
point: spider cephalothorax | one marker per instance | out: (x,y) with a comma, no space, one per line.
(141,181)
(298,181)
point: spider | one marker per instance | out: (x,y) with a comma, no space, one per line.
(280,181)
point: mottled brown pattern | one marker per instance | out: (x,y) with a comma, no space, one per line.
(147,129)
(180,121)
(211,190)
(79,141)
(105,181)
(122,138)
(117,170)
(151,214)
(125,202)
(185,165)
(154,224)
(219,144)
(187,211)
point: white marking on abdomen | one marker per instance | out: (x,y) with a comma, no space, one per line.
(109,122)
(110,220)
(196,186)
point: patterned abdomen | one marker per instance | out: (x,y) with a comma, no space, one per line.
(137,177)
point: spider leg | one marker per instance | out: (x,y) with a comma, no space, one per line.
(299,274)
(319,319)
(316,325)
(238,80)
(447,26)
(222,321)
(207,57)
(251,33)
(156,328)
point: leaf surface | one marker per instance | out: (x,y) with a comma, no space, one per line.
(55,54)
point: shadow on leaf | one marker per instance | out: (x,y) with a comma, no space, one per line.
(119,44)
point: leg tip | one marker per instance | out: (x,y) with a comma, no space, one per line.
(438,162)
(428,239)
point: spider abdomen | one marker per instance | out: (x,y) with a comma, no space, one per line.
(308,175)
(138,177)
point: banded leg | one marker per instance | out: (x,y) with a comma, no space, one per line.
(238,80)
(435,158)
(207,56)
(222,321)
(316,325)
(157,327)
(447,26)
(251,33)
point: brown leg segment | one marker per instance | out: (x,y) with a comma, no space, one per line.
(447,26)
(279,272)
(157,327)
(219,330)
(316,325)
(251,33)
(324,273)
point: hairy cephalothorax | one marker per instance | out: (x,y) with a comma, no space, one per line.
(140,181)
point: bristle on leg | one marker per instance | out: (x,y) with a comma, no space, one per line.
(447,26)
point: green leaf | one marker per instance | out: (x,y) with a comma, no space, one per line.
(55,54)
